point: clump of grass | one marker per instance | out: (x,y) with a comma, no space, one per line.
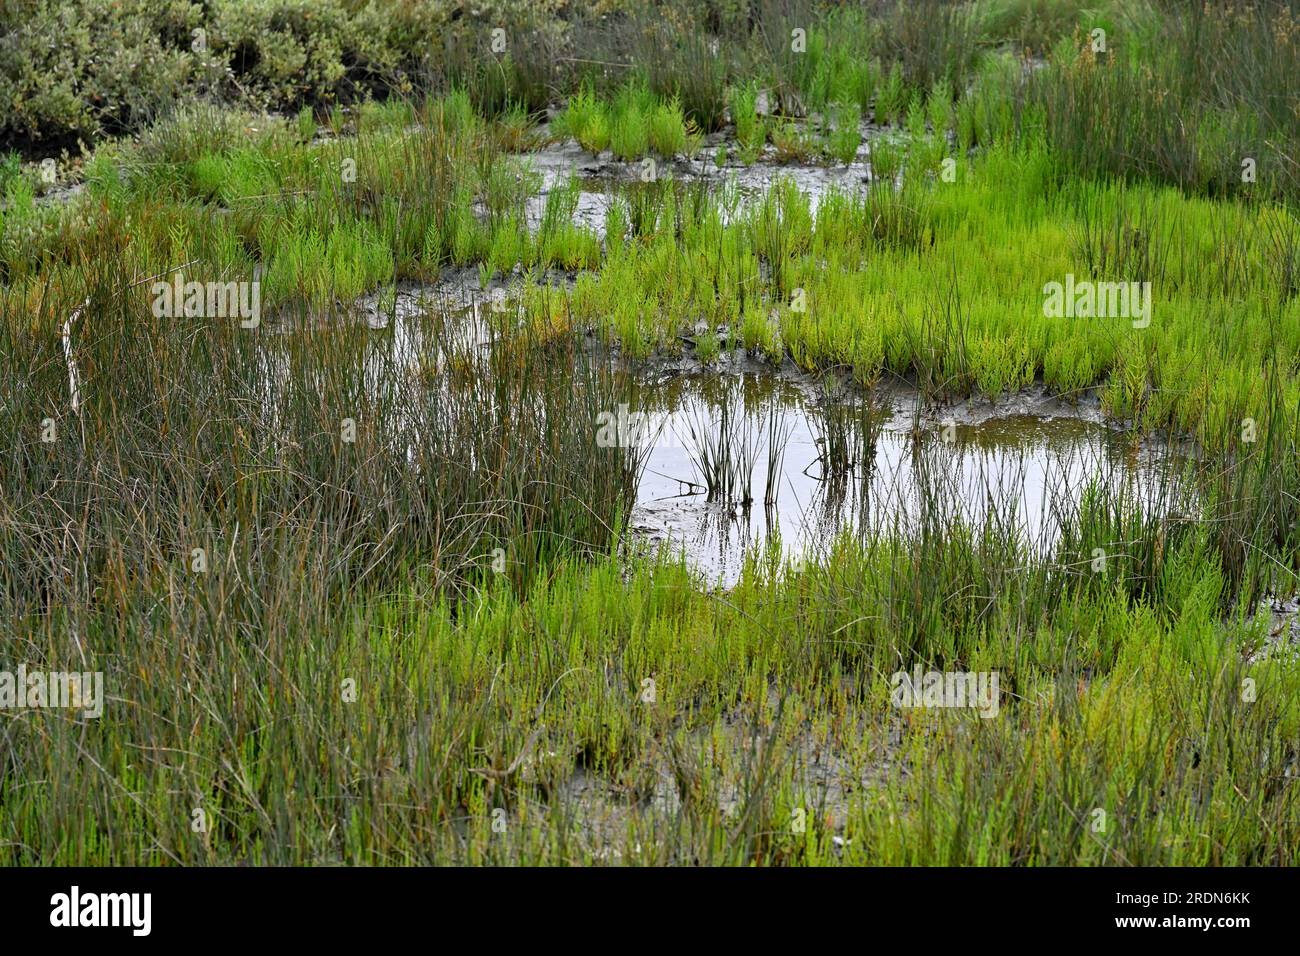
(931,40)
(892,97)
(684,66)
(794,143)
(11,167)
(646,203)
(458,114)
(724,451)
(1034,24)
(586,119)
(1211,83)
(1132,244)
(514,130)
(938,107)
(843,142)
(667,132)
(916,119)
(886,159)
(966,122)
(862,84)
(708,345)
(751,129)
(306,124)
(630,122)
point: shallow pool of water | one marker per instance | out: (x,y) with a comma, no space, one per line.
(600,178)
(738,455)
(734,462)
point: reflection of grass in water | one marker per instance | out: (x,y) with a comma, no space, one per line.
(724,451)
(1005,476)
(1019,483)
(845,424)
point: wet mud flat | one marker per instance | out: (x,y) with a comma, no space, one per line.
(629,815)
(599,178)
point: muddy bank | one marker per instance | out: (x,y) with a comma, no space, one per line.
(707,767)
